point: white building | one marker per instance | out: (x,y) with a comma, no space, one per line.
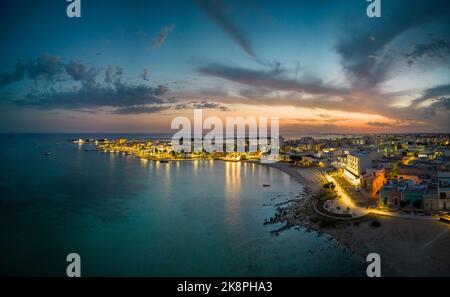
(357,164)
(440,198)
(444,185)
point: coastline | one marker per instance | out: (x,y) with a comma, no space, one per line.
(406,247)
(294,172)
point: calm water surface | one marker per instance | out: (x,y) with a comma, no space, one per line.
(128,217)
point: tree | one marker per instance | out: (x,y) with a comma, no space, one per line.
(295,159)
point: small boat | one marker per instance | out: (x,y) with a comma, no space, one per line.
(266,185)
(163,161)
(47,154)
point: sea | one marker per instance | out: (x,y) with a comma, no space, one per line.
(129,217)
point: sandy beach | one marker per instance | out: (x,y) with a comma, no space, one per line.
(407,247)
(309,177)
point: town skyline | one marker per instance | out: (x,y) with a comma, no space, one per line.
(124,68)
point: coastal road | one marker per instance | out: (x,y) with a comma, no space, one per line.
(360,199)
(346,200)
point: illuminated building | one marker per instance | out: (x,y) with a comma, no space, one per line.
(357,163)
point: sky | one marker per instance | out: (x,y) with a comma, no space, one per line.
(321,66)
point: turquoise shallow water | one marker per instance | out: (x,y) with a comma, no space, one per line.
(126,217)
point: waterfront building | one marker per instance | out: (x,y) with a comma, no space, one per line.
(431,200)
(357,163)
(372,181)
(443,190)
(390,194)
(413,196)
(405,193)
(444,185)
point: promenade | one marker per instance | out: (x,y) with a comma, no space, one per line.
(359,204)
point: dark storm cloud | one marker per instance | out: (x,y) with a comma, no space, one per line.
(399,124)
(201,105)
(46,67)
(432,93)
(210,105)
(90,93)
(81,73)
(273,79)
(13,76)
(435,113)
(369,55)
(113,74)
(438,105)
(443,102)
(140,109)
(94,96)
(219,12)
(437,48)
(145,108)
(50,69)
(365,54)
(162,36)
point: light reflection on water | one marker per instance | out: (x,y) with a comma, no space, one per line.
(127,216)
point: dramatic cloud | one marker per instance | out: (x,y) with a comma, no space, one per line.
(155,108)
(90,93)
(370,55)
(210,105)
(219,12)
(141,109)
(273,79)
(441,105)
(432,93)
(443,102)
(202,105)
(437,48)
(113,74)
(365,52)
(162,36)
(94,96)
(14,76)
(46,67)
(82,73)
